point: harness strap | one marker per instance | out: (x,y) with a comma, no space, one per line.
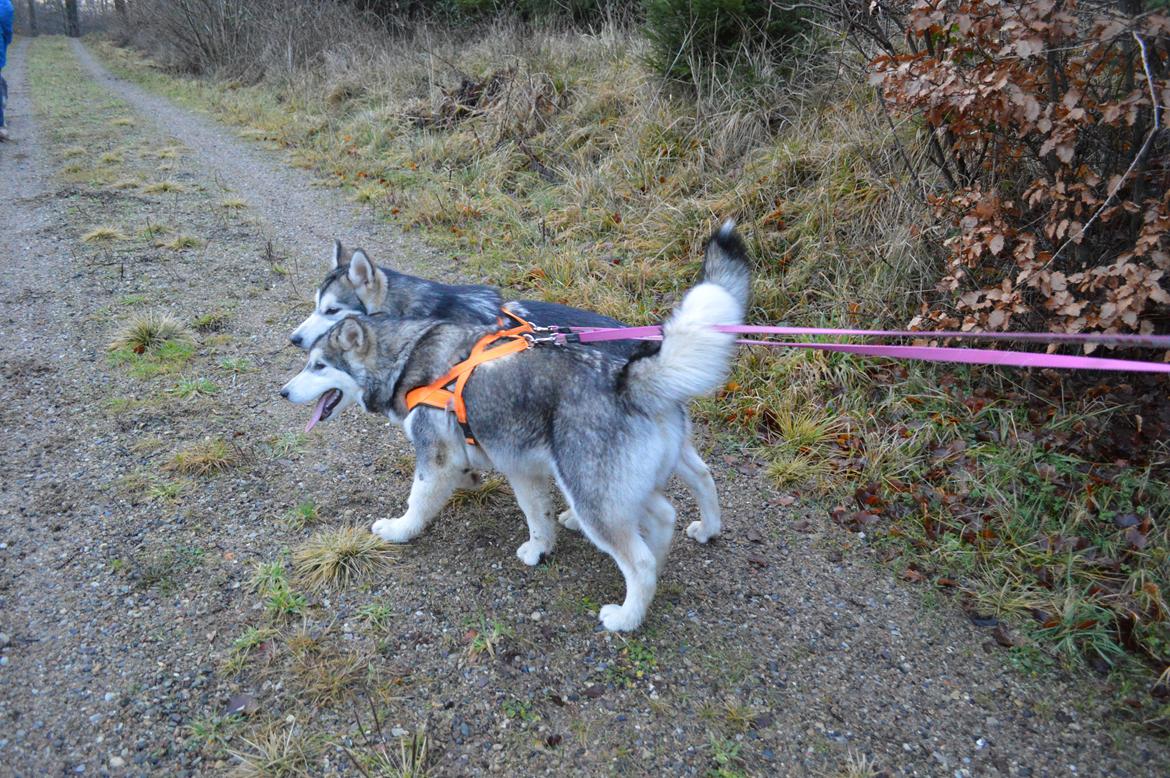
(439,394)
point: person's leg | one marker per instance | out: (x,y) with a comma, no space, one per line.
(3,96)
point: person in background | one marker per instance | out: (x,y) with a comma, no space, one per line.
(5,39)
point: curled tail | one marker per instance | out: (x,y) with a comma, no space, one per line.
(693,358)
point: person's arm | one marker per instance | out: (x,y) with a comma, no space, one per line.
(6,14)
(6,23)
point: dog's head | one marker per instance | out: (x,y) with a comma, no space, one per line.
(337,372)
(354,285)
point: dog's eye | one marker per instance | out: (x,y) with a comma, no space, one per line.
(332,311)
(318,365)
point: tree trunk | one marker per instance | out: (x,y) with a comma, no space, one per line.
(123,15)
(72,21)
(32,17)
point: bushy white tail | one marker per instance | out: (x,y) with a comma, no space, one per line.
(693,358)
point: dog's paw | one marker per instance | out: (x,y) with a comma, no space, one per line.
(615,618)
(394,530)
(531,551)
(696,530)
(568,519)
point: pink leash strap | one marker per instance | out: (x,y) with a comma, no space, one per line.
(971,356)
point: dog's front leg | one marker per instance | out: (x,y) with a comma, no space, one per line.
(532,492)
(437,475)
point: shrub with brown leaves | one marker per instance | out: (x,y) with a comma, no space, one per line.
(1046,119)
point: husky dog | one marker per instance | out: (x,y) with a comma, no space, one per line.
(357,286)
(608,430)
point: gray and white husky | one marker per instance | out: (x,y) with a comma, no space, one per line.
(607,429)
(355,285)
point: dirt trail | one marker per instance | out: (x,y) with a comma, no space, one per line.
(299,214)
(778,650)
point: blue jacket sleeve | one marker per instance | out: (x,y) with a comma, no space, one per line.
(6,21)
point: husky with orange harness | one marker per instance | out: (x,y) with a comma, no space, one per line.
(608,430)
(355,285)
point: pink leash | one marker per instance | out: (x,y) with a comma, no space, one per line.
(970,356)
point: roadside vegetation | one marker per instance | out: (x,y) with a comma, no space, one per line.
(569,158)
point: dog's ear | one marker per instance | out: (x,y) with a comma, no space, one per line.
(351,335)
(338,254)
(361,270)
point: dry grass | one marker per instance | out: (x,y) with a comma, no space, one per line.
(180,242)
(491,491)
(206,458)
(148,332)
(104,234)
(163,187)
(276,754)
(341,556)
(327,678)
(858,766)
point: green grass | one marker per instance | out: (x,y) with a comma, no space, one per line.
(521,710)
(236,365)
(288,444)
(305,514)
(212,734)
(163,567)
(189,388)
(269,577)
(244,646)
(634,661)
(485,638)
(284,603)
(377,615)
(212,321)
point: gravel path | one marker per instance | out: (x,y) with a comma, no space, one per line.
(299,214)
(780,649)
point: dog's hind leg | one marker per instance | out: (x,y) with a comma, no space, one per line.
(697,476)
(568,520)
(658,526)
(533,494)
(622,540)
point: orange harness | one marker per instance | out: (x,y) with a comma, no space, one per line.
(437,394)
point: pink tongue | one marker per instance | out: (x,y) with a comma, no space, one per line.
(318,410)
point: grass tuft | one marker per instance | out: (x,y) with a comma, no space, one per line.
(305,514)
(164,186)
(212,321)
(276,754)
(149,333)
(491,491)
(341,556)
(180,242)
(206,458)
(191,388)
(104,234)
